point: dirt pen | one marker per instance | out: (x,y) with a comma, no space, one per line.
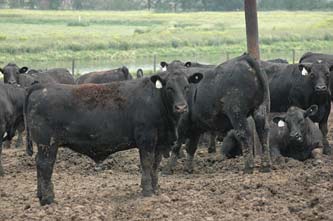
(215,191)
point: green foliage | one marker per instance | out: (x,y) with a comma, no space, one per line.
(62,35)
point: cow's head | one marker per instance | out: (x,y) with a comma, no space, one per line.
(295,121)
(175,87)
(139,73)
(173,65)
(319,75)
(11,73)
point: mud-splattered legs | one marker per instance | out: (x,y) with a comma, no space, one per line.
(1,168)
(262,127)
(191,148)
(154,173)
(45,160)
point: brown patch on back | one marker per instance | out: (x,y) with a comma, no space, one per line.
(93,95)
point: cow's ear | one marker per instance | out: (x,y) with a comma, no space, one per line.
(195,78)
(23,70)
(158,81)
(331,68)
(188,64)
(311,111)
(304,69)
(280,121)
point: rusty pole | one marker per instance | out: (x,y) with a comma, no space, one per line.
(251,20)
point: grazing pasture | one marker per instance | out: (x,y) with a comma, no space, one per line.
(29,35)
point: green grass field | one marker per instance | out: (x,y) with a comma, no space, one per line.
(27,35)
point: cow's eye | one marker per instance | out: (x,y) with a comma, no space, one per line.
(186,88)
(327,75)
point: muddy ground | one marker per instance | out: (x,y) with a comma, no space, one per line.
(215,191)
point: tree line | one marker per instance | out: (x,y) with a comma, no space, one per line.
(166,5)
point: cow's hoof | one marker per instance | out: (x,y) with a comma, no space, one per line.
(318,162)
(46,201)
(211,150)
(265,169)
(188,170)
(248,170)
(147,193)
(167,171)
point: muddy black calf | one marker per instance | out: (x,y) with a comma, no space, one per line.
(292,134)
(100,119)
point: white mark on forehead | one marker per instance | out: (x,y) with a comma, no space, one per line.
(281,123)
(158,84)
(304,72)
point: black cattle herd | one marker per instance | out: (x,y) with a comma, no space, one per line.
(267,108)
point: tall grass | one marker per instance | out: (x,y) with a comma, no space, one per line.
(43,35)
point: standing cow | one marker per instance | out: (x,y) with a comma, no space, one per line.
(99,77)
(11,113)
(302,85)
(292,134)
(100,119)
(25,78)
(223,100)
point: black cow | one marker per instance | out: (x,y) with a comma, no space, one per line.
(25,78)
(223,100)
(99,77)
(11,112)
(278,60)
(139,73)
(310,57)
(100,119)
(54,75)
(190,68)
(292,134)
(15,75)
(302,85)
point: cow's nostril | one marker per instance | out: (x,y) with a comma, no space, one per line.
(181,108)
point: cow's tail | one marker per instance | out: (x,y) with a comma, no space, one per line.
(262,79)
(29,148)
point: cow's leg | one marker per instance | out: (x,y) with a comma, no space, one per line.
(262,127)
(45,160)
(168,169)
(243,135)
(191,148)
(147,158)
(154,173)
(212,142)
(1,168)
(324,129)
(19,142)
(7,144)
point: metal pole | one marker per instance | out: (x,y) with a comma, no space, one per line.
(73,67)
(294,54)
(155,63)
(251,21)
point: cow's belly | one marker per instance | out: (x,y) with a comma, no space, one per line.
(96,134)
